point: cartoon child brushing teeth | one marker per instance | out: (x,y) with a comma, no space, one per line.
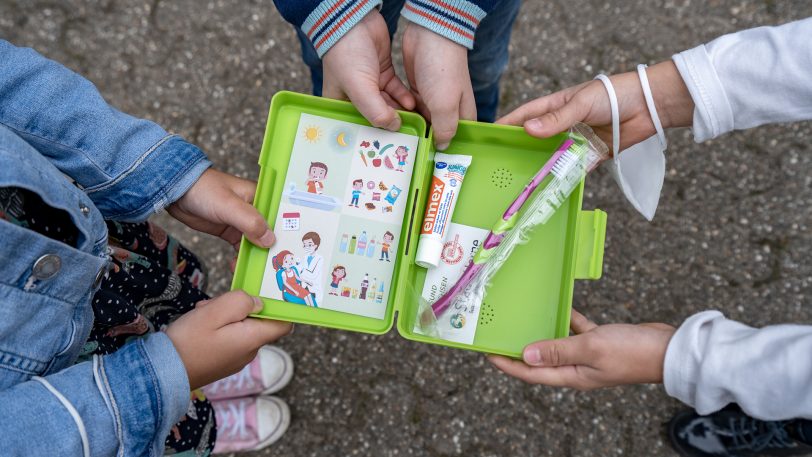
(315,177)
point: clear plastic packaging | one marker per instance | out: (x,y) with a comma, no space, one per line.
(580,153)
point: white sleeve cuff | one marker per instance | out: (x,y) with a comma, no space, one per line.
(684,356)
(713,115)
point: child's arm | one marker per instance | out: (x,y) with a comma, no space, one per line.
(435,57)
(325,22)
(597,356)
(129,167)
(707,363)
(353,41)
(712,361)
(753,77)
(128,401)
(737,81)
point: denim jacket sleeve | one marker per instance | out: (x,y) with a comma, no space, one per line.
(121,404)
(129,167)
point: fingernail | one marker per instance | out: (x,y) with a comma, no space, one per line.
(442,146)
(292,328)
(533,124)
(258,305)
(532,356)
(267,239)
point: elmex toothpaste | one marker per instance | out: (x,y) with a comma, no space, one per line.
(449,172)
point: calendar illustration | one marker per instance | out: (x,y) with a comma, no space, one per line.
(290,222)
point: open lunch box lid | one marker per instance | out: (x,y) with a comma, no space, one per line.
(529,299)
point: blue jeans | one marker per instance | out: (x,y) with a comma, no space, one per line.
(486,62)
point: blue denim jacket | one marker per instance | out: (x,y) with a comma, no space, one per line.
(60,139)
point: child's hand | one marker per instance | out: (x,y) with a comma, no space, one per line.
(216,339)
(437,69)
(589,103)
(359,67)
(597,356)
(220,204)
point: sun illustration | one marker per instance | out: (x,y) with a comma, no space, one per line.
(312,134)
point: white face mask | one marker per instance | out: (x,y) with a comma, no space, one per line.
(639,170)
(309,248)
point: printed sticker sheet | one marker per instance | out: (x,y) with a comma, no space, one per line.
(340,217)
(459,322)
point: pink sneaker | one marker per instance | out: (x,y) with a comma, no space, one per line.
(269,372)
(249,424)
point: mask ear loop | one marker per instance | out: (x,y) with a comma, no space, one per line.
(613,105)
(652,110)
(610,90)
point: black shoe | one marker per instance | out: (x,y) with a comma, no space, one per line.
(731,433)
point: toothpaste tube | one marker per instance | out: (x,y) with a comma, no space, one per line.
(449,171)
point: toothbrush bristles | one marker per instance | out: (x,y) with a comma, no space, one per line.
(565,163)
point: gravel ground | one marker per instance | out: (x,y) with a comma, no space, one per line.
(732,231)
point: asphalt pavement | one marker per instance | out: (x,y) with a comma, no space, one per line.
(732,231)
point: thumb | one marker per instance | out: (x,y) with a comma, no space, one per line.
(444,119)
(230,307)
(260,331)
(366,95)
(556,353)
(246,219)
(556,121)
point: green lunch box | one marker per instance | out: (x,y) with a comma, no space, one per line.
(529,299)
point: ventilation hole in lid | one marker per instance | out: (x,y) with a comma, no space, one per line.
(501,178)
(486,314)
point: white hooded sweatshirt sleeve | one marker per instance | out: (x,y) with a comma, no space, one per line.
(753,77)
(712,361)
(738,81)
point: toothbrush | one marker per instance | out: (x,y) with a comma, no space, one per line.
(567,165)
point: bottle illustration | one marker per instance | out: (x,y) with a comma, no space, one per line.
(351,249)
(364,287)
(373,289)
(362,244)
(371,248)
(345,240)
(379,298)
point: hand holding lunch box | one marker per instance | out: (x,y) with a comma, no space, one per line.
(529,299)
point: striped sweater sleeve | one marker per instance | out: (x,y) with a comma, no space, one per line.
(325,21)
(456,20)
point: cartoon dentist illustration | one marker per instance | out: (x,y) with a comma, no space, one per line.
(312,270)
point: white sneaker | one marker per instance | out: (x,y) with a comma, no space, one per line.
(269,372)
(249,424)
